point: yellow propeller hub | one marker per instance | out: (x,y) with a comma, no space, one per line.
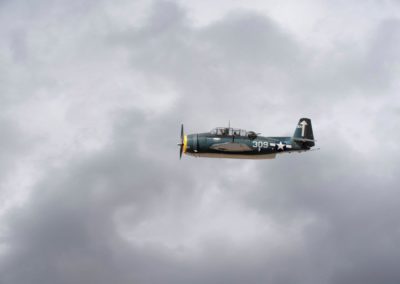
(184,143)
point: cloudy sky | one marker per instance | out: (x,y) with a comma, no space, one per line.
(92,94)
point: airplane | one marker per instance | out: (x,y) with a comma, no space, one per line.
(227,142)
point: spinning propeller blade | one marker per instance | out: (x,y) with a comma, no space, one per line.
(182,142)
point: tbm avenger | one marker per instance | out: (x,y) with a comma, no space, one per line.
(227,142)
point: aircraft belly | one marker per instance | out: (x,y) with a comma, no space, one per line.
(234,156)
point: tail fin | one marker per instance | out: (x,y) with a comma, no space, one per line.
(304,133)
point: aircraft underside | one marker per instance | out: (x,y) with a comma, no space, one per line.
(241,156)
(233,156)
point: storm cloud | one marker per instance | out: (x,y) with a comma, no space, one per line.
(92,96)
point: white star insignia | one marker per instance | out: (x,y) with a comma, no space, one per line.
(280,145)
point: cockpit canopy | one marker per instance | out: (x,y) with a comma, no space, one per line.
(228,131)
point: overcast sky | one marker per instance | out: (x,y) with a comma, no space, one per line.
(92,95)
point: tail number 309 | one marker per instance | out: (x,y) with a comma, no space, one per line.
(260,144)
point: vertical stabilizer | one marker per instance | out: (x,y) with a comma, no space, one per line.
(304,133)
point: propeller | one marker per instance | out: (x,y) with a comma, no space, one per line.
(182,142)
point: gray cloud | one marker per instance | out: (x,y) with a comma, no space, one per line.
(11,145)
(129,211)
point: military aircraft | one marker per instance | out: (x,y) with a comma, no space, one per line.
(227,142)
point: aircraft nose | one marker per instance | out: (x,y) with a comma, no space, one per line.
(191,143)
(185,143)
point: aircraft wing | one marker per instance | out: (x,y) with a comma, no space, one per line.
(231,147)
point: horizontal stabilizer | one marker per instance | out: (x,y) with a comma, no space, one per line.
(303,140)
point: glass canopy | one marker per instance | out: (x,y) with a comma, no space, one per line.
(228,131)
